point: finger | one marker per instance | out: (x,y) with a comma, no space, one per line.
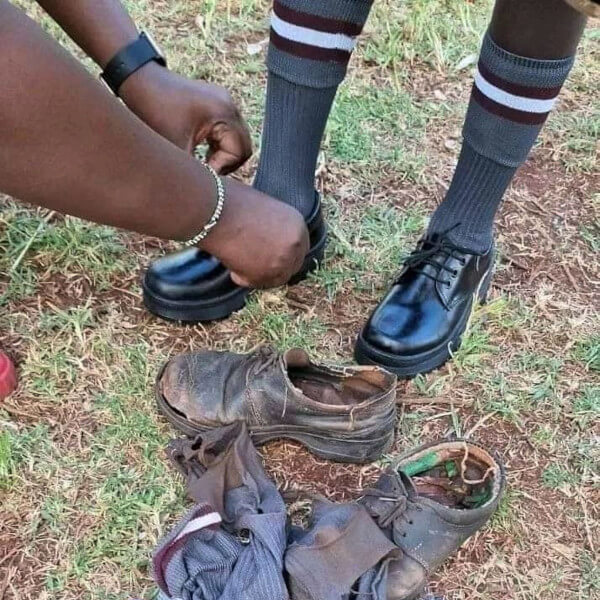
(230,146)
(240,280)
(223,162)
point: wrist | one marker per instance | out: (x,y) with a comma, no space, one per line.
(230,227)
(142,85)
(116,41)
(217,212)
(130,59)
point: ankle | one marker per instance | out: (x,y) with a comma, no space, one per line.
(284,189)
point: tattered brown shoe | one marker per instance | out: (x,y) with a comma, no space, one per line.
(435,498)
(340,413)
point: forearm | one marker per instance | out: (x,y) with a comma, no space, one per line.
(66,144)
(99,27)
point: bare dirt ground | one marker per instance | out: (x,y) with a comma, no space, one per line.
(85,491)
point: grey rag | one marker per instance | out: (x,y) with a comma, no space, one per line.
(231,545)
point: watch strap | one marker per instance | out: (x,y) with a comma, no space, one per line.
(128,60)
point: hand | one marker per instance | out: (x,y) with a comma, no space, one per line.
(261,240)
(189,113)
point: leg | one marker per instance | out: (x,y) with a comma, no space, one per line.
(525,58)
(311,43)
(545,30)
(527,53)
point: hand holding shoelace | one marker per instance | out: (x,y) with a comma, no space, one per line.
(188,113)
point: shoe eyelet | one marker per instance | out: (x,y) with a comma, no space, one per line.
(404,534)
(410,522)
(454,273)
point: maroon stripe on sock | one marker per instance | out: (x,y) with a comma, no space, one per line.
(316,22)
(163,557)
(308,51)
(537,93)
(512,114)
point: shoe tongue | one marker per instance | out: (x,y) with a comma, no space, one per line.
(393,482)
(296,358)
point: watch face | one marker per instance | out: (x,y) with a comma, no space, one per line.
(154,45)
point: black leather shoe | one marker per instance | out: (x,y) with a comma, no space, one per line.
(193,286)
(418,325)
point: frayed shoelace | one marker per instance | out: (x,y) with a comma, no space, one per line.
(397,510)
(264,358)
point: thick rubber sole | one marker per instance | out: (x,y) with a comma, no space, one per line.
(345,449)
(221,307)
(424,362)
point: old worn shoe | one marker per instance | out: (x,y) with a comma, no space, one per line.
(433,500)
(339,413)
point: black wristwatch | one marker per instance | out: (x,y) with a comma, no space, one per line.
(129,59)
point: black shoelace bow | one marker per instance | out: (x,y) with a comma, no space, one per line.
(427,252)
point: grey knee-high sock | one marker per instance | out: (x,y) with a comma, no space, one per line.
(310,45)
(511,99)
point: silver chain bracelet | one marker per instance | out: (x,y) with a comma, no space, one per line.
(217,212)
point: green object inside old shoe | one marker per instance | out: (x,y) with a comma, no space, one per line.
(450,482)
(422,464)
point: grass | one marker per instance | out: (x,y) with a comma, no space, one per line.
(588,352)
(85,490)
(438,34)
(283,329)
(66,246)
(390,123)
(586,406)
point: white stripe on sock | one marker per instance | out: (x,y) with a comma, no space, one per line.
(311,37)
(199,523)
(530,105)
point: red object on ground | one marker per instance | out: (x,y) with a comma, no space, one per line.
(8,376)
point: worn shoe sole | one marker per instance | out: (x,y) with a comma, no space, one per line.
(410,366)
(345,449)
(220,307)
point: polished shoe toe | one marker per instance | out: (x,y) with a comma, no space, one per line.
(192,286)
(406,328)
(178,275)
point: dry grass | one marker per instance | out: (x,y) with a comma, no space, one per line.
(84,490)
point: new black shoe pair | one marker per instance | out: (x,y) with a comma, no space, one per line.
(414,329)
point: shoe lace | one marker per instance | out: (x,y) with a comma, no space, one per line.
(398,505)
(428,250)
(263,358)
